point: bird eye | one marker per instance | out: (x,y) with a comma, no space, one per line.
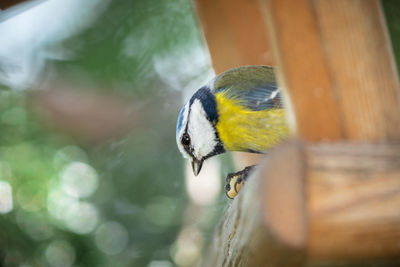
(185,139)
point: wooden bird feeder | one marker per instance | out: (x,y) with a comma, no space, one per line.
(331,196)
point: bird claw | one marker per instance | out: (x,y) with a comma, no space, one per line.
(235,181)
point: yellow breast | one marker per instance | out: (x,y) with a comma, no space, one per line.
(242,129)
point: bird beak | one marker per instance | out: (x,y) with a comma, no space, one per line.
(196,166)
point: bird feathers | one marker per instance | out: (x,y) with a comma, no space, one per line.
(253,87)
(243,129)
(250,111)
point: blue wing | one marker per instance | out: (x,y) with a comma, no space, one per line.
(253,86)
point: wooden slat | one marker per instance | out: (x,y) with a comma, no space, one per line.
(336,64)
(358,53)
(305,75)
(235,33)
(353,202)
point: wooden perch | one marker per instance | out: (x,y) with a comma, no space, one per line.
(332,204)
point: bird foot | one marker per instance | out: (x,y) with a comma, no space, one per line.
(235,181)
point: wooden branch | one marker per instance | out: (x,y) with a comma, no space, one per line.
(345,212)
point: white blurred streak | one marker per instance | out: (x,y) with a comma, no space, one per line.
(185,71)
(26,38)
(6,202)
(205,187)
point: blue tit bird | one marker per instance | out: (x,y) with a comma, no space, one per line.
(238,110)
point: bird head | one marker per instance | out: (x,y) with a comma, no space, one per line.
(196,135)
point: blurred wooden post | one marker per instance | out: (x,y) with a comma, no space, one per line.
(333,197)
(235,33)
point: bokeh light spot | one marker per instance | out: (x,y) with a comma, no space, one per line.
(60,253)
(189,245)
(6,201)
(35,225)
(78,179)
(58,201)
(206,187)
(111,238)
(160,264)
(81,217)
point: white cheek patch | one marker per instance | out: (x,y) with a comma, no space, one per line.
(181,131)
(201,131)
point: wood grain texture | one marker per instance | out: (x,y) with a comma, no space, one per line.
(336,63)
(270,232)
(283,194)
(329,204)
(353,201)
(351,195)
(302,69)
(363,72)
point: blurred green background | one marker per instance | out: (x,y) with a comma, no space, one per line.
(89,170)
(81,198)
